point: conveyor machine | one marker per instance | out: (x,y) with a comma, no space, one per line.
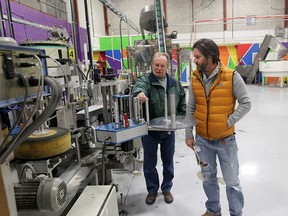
(269,42)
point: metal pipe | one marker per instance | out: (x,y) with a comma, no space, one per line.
(173,108)
(9,16)
(165,13)
(134,109)
(166,107)
(104,100)
(286,12)
(121,111)
(103,164)
(77,149)
(90,56)
(106,24)
(110,101)
(121,44)
(147,111)
(73,17)
(128,34)
(116,113)
(2,24)
(224,15)
(136,103)
(130,108)
(232,27)
(86,113)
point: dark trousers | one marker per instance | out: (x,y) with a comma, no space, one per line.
(167,149)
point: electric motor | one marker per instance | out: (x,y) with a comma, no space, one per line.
(41,193)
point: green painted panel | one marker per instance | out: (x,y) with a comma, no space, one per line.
(105,43)
(113,43)
(231,64)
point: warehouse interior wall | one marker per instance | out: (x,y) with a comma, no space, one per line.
(43,17)
(246,24)
(96,20)
(192,19)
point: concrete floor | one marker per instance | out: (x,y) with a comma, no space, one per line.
(263,143)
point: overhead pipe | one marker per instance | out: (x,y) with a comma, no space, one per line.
(9,16)
(165,14)
(77,27)
(232,27)
(242,17)
(106,24)
(224,15)
(286,12)
(90,56)
(2,30)
(74,33)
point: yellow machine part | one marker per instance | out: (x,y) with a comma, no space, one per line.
(53,142)
(5,132)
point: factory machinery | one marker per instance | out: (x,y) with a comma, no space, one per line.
(62,133)
(139,55)
(59,131)
(274,68)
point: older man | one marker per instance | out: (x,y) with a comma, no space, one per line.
(155,86)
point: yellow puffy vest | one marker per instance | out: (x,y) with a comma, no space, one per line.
(212,110)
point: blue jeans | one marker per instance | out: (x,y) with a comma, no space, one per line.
(167,149)
(226,151)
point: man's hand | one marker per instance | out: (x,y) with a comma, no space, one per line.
(190,142)
(142,97)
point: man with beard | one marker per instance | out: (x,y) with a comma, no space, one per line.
(155,86)
(213,94)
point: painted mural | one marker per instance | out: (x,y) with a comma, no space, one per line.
(230,56)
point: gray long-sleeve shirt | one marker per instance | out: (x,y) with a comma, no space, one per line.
(239,91)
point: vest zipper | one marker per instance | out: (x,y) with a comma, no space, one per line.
(207,102)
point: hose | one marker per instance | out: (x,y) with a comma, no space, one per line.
(56,95)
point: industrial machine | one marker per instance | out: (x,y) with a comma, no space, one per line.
(269,42)
(140,54)
(25,85)
(274,68)
(56,138)
(62,130)
(140,58)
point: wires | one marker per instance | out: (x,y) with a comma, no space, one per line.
(25,167)
(56,95)
(6,150)
(65,78)
(25,83)
(65,75)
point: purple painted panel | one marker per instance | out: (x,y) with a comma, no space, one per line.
(285,44)
(23,32)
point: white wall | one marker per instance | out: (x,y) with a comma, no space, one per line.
(97,23)
(96,20)
(206,20)
(129,8)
